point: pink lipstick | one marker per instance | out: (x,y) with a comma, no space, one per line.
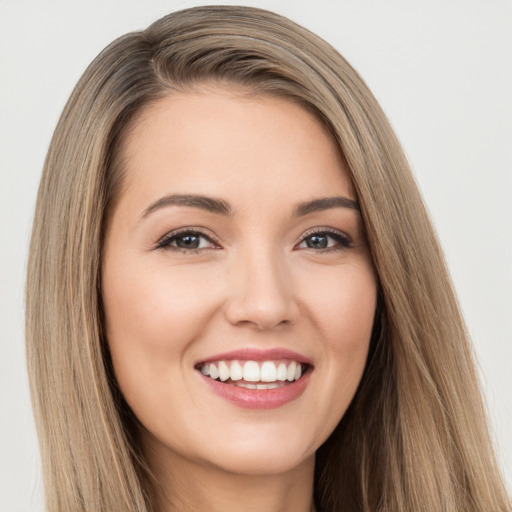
(257,379)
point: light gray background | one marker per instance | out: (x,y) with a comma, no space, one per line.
(442,71)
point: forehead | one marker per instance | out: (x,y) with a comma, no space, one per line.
(219,140)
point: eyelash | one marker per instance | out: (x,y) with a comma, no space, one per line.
(343,240)
(165,242)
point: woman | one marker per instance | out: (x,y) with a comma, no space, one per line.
(223,206)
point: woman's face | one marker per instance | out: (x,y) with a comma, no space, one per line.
(238,288)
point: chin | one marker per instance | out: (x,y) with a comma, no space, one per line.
(261,462)
(262,451)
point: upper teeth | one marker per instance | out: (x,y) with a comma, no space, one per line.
(253,371)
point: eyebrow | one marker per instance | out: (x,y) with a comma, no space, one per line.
(325,203)
(221,207)
(210,204)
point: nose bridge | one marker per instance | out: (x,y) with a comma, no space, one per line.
(261,292)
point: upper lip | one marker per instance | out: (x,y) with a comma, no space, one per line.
(253,354)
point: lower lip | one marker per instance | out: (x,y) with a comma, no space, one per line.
(259,398)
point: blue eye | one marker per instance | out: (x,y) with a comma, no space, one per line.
(186,240)
(325,240)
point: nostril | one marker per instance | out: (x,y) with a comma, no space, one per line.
(262,314)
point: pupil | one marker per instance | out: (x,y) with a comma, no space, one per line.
(188,242)
(317,242)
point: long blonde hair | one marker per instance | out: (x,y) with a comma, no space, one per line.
(415,436)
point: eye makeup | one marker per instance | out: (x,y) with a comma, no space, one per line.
(318,239)
(187,240)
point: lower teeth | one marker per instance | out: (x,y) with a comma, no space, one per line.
(267,385)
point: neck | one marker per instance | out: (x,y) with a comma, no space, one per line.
(186,486)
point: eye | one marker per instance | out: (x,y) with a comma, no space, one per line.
(325,240)
(186,240)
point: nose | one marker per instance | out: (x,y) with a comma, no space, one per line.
(261,293)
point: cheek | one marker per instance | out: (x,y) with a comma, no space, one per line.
(151,304)
(344,307)
(151,317)
(344,316)
(351,322)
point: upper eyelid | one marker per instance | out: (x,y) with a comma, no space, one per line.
(181,231)
(326,230)
(323,229)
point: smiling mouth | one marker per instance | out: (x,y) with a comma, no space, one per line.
(259,375)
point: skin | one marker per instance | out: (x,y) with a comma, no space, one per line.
(257,283)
